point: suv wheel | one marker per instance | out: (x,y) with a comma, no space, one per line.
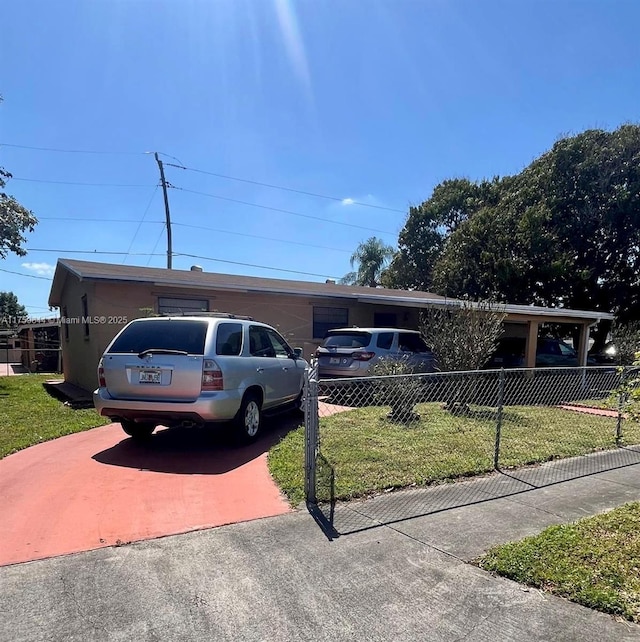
(249,417)
(137,431)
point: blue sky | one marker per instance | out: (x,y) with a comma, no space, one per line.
(373,101)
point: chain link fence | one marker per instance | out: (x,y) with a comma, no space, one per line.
(520,429)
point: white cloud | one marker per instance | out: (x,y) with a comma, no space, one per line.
(41,269)
(348,201)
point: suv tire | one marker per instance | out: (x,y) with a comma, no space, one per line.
(136,430)
(249,418)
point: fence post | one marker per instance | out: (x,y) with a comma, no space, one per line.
(621,400)
(311,432)
(496,450)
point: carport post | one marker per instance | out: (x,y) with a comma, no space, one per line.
(311,432)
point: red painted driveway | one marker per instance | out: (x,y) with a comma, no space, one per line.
(99,488)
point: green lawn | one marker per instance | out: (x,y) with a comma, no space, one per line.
(595,562)
(29,415)
(362,452)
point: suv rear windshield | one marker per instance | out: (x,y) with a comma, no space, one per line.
(164,334)
(347,340)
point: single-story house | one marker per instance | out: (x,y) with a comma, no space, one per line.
(97,299)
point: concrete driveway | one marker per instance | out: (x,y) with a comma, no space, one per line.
(281,580)
(99,488)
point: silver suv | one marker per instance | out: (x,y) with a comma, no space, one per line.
(195,370)
(350,352)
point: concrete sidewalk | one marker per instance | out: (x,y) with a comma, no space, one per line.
(281,578)
(10,369)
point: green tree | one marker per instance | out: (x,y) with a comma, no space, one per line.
(15,219)
(428,227)
(11,311)
(371,258)
(564,232)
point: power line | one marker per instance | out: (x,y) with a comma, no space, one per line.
(196,227)
(262,267)
(286,189)
(156,243)
(192,256)
(155,189)
(277,209)
(263,238)
(71,151)
(198,171)
(94,220)
(31,276)
(39,180)
(60,251)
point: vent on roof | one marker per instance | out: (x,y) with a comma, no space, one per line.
(196,268)
(330,281)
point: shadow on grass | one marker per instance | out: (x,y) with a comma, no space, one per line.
(337,518)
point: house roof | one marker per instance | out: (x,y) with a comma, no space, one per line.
(92,271)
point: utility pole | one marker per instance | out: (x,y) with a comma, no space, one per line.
(166,209)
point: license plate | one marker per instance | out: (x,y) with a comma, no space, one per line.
(334,361)
(150,376)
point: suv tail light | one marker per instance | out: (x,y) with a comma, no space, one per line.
(101,380)
(211,376)
(363,356)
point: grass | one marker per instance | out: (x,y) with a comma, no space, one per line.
(364,453)
(595,561)
(29,415)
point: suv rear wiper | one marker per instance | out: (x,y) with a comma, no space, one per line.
(160,351)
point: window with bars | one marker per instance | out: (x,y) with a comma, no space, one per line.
(168,305)
(325,319)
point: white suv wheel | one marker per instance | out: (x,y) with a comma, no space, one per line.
(249,418)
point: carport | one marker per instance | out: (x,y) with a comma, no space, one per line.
(520,320)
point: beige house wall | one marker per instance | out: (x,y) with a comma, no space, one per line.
(111,306)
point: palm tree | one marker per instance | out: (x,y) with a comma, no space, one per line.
(372,257)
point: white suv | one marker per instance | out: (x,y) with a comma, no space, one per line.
(196,370)
(350,352)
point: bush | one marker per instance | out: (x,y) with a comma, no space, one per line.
(396,388)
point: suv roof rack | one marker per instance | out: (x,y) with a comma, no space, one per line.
(220,315)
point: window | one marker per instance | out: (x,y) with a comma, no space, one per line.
(549,347)
(385,320)
(409,342)
(259,342)
(347,339)
(85,315)
(384,341)
(162,334)
(325,319)
(567,351)
(229,339)
(184,307)
(65,323)
(280,346)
